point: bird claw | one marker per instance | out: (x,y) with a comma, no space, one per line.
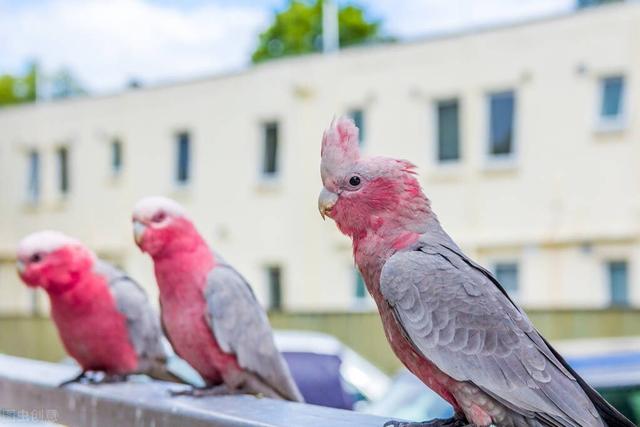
(455,421)
(84,375)
(88,377)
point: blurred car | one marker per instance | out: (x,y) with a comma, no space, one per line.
(328,372)
(610,365)
(409,399)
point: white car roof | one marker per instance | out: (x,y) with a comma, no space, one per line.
(308,342)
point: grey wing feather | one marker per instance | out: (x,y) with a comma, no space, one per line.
(143,322)
(241,327)
(470,330)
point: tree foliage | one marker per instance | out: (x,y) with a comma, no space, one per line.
(63,84)
(33,84)
(18,89)
(298,30)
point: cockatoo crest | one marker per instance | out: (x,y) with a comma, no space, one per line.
(149,206)
(45,241)
(340,148)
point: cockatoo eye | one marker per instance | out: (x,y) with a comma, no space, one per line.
(355,181)
(37,257)
(159,217)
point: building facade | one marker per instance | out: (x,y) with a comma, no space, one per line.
(524,135)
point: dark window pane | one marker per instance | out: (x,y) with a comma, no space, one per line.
(33,189)
(275,287)
(183,157)
(358,118)
(618,282)
(502,109)
(588,3)
(63,169)
(507,275)
(270,155)
(612,90)
(360,288)
(448,130)
(116,156)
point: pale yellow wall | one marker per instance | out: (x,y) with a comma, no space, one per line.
(569,184)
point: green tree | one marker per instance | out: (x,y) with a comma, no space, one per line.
(298,30)
(64,84)
(19,89)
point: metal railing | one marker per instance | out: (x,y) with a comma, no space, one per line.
(29,389)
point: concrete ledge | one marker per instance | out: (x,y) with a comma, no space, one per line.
(30,387)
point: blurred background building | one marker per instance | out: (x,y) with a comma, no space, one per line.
(524,135)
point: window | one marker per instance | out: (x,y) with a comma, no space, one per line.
(448,130)
(62,159)
(588,3)
(183,157)
(116,156)
(611,95)
(507,275)
(359,289)
(270,153)
(33,177)
(274,282)
(358,118)
(501,119)
(34,302)
(618,282)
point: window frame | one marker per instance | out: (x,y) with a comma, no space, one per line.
(501,160)
(609,283)
(619,122)
(274,176)
(517,295)
(268,269)
(359,303)
(177,142)
(116,171)
(34,197)
(63,170)
(362,134)
(435,111)
(359,286)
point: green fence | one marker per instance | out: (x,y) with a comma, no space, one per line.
(36,337)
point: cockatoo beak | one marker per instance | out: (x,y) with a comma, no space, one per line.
(326,201)
(21,266)
(138,231)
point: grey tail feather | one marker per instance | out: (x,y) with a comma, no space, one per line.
(610,415)
(163,373)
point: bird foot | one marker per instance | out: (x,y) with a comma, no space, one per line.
(82,378)
(89,377)
(455,421)
(218,390)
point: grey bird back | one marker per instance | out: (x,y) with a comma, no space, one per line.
(143,322)
(241,327)
(459,319)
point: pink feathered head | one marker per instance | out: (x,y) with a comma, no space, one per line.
(340,147)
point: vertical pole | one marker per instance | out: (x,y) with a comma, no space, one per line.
(330,29)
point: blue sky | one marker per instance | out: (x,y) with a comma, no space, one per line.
(108,42)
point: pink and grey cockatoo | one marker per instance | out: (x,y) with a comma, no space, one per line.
(103,317)
(208,310)
(447,318)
